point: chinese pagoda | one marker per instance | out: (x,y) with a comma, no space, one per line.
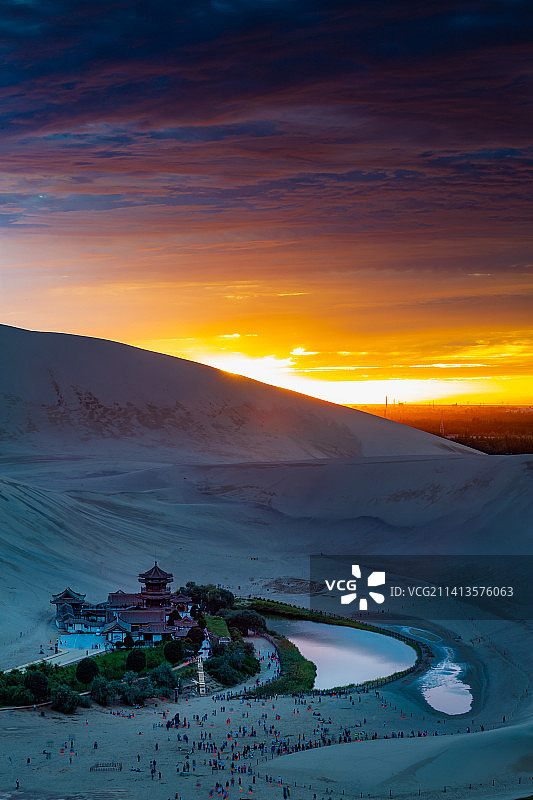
(154,614)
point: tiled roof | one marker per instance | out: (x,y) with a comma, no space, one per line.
(181,598)
(67,595)
(116,624)
(179,634)
(123,599)
(144,615)
(155,627)
(156,573)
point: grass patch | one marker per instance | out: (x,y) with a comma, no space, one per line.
(217,625)
(297,674)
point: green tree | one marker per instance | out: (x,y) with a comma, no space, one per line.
(134,690)
(173,651)
(197,593)
(128,641)
(235,634)
(234,664)
(173,617)
(16,695)
(136,660)
(193,640)
(37,683)
(219,598)
(86,670)
(102,691)
(244,620)
(228,675)
(64,699)
(163,678)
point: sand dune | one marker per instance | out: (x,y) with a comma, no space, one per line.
(69,391)
(406,764)
(112,456)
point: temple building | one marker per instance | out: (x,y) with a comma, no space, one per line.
(154,614)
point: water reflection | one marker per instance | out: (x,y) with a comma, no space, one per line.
(345,655)
(444,690)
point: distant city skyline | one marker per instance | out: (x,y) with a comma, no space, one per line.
(330,197)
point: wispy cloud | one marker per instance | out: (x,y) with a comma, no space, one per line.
(353,176)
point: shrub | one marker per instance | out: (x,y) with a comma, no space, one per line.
(134,690)
(128,641)
(136,660)
(173,616)
(228,675)
(193,640)
(64,699)
(208,598)
(16,695)
(219,598)
(102,691)
(196,635)
(86,670)
(163,678)
(234,665)
(37,683)
(236,635)
(217,649)
(173,651)
(244,620)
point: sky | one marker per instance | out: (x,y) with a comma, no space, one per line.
(335,197)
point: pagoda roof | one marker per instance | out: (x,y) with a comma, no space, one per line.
(185,622)
(123,599)
(156,573)
(67,595)
(181,598)
(142,615)
(156,627)
(116,624)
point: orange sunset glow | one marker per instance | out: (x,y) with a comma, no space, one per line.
(348,221)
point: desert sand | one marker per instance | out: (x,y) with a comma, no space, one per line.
(112,456)
(136,737)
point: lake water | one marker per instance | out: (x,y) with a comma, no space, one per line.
(443,688)
(345,655)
